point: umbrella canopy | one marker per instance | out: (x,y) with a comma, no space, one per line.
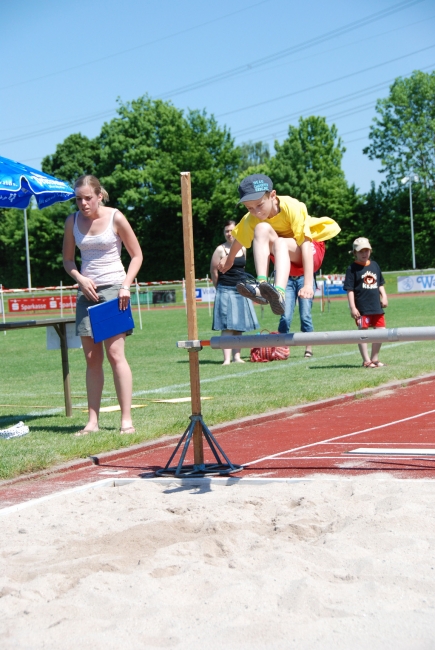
(18,183)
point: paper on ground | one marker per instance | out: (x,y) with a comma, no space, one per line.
(176,400)
(116,407)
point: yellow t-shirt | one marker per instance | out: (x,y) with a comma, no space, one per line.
(292,221)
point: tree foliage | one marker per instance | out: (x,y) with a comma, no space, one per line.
(403,136)
(75,156)
(143,152)
(253,154)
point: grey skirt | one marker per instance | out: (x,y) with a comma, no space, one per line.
(105,292)
(233,312)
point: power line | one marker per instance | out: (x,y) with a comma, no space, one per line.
(61,127)
(340,31)
(325,83)
(333,116)
(338,100)
(323,105)
(137,47)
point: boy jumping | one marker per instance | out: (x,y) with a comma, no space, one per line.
(279,226)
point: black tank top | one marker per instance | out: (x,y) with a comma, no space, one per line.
(235,274)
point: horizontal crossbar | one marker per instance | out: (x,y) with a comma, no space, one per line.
(399,334)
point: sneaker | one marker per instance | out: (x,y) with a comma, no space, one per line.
(250,289)
(273,297)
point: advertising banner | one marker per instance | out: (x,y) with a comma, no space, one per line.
(45,303)
(415,283)
(203,294)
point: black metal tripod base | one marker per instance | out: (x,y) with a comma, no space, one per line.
(195,471)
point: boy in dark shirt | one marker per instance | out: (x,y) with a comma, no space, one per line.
(364,284)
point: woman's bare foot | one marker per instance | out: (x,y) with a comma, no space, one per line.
(85,432)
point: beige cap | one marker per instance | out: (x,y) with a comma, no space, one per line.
(360,243)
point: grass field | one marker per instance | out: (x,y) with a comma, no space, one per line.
(31,381)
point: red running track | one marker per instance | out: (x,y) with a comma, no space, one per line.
(293,443)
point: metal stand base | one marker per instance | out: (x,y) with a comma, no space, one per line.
(189,471)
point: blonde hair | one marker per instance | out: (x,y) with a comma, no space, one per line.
(92,181)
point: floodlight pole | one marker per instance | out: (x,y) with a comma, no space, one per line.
(410,179)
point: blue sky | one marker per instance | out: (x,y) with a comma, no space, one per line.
(257,65)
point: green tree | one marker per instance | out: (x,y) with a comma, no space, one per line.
(138,157)
(143,152)
(253,154)
(386,222)
(403,136)
(75,156)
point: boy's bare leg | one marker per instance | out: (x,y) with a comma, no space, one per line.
(363,348)
(375,348)
(267,241)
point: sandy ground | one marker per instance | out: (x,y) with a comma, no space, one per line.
(313,564)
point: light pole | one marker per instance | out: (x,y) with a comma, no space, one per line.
(410,179)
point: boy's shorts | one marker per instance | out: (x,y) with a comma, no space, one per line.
(373,320)
(318,248)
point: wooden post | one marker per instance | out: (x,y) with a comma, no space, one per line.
(61,330)
(192,323)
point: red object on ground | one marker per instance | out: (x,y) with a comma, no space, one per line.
(299,442)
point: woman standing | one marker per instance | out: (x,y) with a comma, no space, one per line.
(99,233)
(232,313)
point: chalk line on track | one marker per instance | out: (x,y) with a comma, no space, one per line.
(345,435)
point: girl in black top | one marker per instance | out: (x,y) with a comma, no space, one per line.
(232,314)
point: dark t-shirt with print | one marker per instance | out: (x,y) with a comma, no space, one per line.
(365,281)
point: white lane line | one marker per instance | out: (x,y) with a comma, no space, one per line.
(383,443)
(346,435)
(375,451)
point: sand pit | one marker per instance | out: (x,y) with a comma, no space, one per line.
(313,564)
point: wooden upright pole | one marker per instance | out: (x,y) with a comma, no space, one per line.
(192,323)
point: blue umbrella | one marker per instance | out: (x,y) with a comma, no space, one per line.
(18,183)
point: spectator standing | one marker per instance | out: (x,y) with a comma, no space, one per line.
(99,233)
(367,298)
(232,314)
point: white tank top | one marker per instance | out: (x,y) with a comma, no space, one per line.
(101,255)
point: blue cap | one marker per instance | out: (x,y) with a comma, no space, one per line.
(253,187)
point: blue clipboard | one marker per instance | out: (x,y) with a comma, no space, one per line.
(108,320)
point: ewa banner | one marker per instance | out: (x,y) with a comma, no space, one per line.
(405,284)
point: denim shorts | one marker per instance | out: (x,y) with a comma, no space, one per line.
(105,292)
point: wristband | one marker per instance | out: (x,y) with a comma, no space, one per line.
(126,288)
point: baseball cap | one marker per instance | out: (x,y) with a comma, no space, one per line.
(253,187)
(360,243)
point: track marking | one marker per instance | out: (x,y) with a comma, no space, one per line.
(375,451)
(346,435)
